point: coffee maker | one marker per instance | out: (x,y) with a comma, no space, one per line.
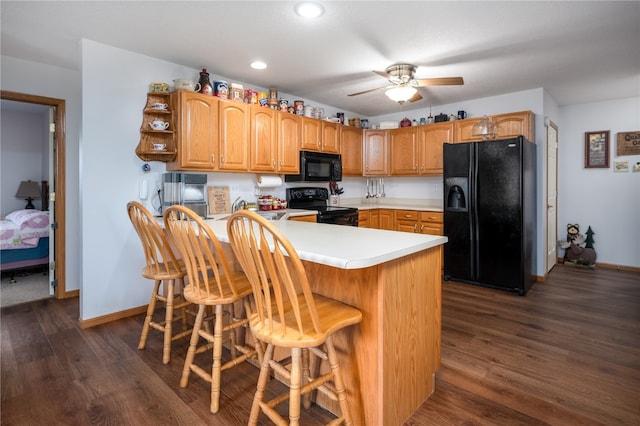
(185,189)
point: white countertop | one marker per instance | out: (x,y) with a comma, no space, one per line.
(433,205)
(346,247)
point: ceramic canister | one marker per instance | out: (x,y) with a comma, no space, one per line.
(298,107)
(221,89)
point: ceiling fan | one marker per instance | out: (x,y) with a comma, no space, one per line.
(403,83)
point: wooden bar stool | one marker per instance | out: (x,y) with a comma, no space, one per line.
(162,267)
(211,283)
(288,315)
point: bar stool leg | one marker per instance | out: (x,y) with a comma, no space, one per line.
(217,359)
(294,391)
(147,320)
(262,384)
(191,353)
(168,320)
(338,382)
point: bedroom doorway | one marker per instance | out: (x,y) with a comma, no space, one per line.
(56,199)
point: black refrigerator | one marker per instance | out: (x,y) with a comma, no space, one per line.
(489,213)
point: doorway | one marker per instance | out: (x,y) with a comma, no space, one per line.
(552,195)
(57,186)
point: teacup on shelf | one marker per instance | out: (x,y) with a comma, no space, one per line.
(159,125)
(159,146)
(160,106)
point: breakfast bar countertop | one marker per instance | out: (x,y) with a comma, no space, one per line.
(344,247)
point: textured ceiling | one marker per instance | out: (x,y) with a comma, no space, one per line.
(578,51)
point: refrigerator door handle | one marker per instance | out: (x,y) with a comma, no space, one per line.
(475,271)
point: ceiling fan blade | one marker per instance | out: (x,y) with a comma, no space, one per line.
(442,81)
(415,97)
(383,74)
(366,91)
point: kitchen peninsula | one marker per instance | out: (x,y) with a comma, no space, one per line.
(390,359)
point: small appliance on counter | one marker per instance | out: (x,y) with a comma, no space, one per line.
(185,189)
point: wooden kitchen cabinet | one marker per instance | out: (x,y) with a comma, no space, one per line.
(364,219)
(320,136)
(386,219)
(431,139)
(432,223)
(407,221)
(376,152)
(463,130)
(509,125)
(515,124)
(197,131)
(421,222)
(374,219)
(351,150)
(263,150)
(311,134)
(149,136)
(330,137)
(289,131)
(234,125)
(403,151)
(305,218)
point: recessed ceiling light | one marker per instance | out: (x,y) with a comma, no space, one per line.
(258,65)
(309,10)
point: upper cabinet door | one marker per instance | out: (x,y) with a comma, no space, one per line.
(234,136)
(431,139)
(197,136)
(515,124)
(403,151)
(289,131)
(376,152)
(311,134)
(264,140)
(351,149)
(330,137)
(464,128)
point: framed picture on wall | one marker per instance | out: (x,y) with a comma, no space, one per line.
(596,149)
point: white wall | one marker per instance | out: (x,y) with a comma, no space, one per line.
(21,148)
(609,202)
(60,83)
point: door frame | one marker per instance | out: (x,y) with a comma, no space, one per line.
(60,183)
(550,124)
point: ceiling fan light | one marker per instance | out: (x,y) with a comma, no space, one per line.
(401,94)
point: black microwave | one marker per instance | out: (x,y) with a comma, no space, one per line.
(317,167)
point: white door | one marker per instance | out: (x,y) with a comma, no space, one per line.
(52,197)
(552,195)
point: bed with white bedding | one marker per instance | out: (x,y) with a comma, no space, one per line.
(24,239)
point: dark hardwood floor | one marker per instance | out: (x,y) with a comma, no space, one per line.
(568,353)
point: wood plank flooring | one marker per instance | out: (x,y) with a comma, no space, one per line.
(568,353)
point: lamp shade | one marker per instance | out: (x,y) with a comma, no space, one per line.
(401,94)
(28,190)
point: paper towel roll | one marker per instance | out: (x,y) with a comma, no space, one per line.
(269,181)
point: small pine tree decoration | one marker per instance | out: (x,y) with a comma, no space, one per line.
(589,239)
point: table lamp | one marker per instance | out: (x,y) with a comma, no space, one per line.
(28,190)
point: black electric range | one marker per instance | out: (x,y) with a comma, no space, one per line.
(317,199)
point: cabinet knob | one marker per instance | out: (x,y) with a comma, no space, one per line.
(273,163)
(221,159)
(415,227)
